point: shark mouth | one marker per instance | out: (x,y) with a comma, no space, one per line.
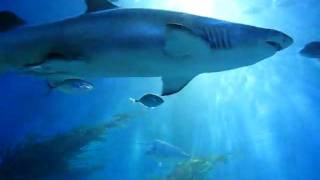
(276,45)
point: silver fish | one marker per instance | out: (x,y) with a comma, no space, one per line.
(311,50)
(71,86)
(149,100)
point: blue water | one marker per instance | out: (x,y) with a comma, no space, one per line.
(265,117)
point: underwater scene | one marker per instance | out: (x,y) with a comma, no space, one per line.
(159,90)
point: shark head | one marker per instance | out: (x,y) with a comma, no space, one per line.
(235,45)
(261,42)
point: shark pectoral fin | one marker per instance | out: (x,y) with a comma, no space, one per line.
(9,20)
(172,85)
(99,5)
(182,42)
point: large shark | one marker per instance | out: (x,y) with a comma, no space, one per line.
(108,41)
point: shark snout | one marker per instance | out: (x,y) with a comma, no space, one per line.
(279,40)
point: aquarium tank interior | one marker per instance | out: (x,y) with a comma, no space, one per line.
(159,90)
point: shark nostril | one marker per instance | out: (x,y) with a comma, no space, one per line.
(276,45)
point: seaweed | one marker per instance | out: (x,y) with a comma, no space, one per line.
(195,168)
(32,160)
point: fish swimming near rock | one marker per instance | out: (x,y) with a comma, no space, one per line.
(311,50)
(71,86)
(109,41)
(149,100)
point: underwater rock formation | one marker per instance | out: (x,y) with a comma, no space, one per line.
(36,160)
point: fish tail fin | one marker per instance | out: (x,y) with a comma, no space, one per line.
(9,21)
(133,100)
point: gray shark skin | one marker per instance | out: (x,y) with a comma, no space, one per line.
(124,42)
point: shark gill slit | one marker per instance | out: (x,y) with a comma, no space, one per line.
(224,39)
(213,39)
(221,40)
(208,37)
(228,39)
(216,35)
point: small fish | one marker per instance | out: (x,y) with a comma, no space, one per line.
(71,86)
(163,150)
(149,100)
(311,50)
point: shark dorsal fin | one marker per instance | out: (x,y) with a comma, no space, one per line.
(9,20)
(99,5)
